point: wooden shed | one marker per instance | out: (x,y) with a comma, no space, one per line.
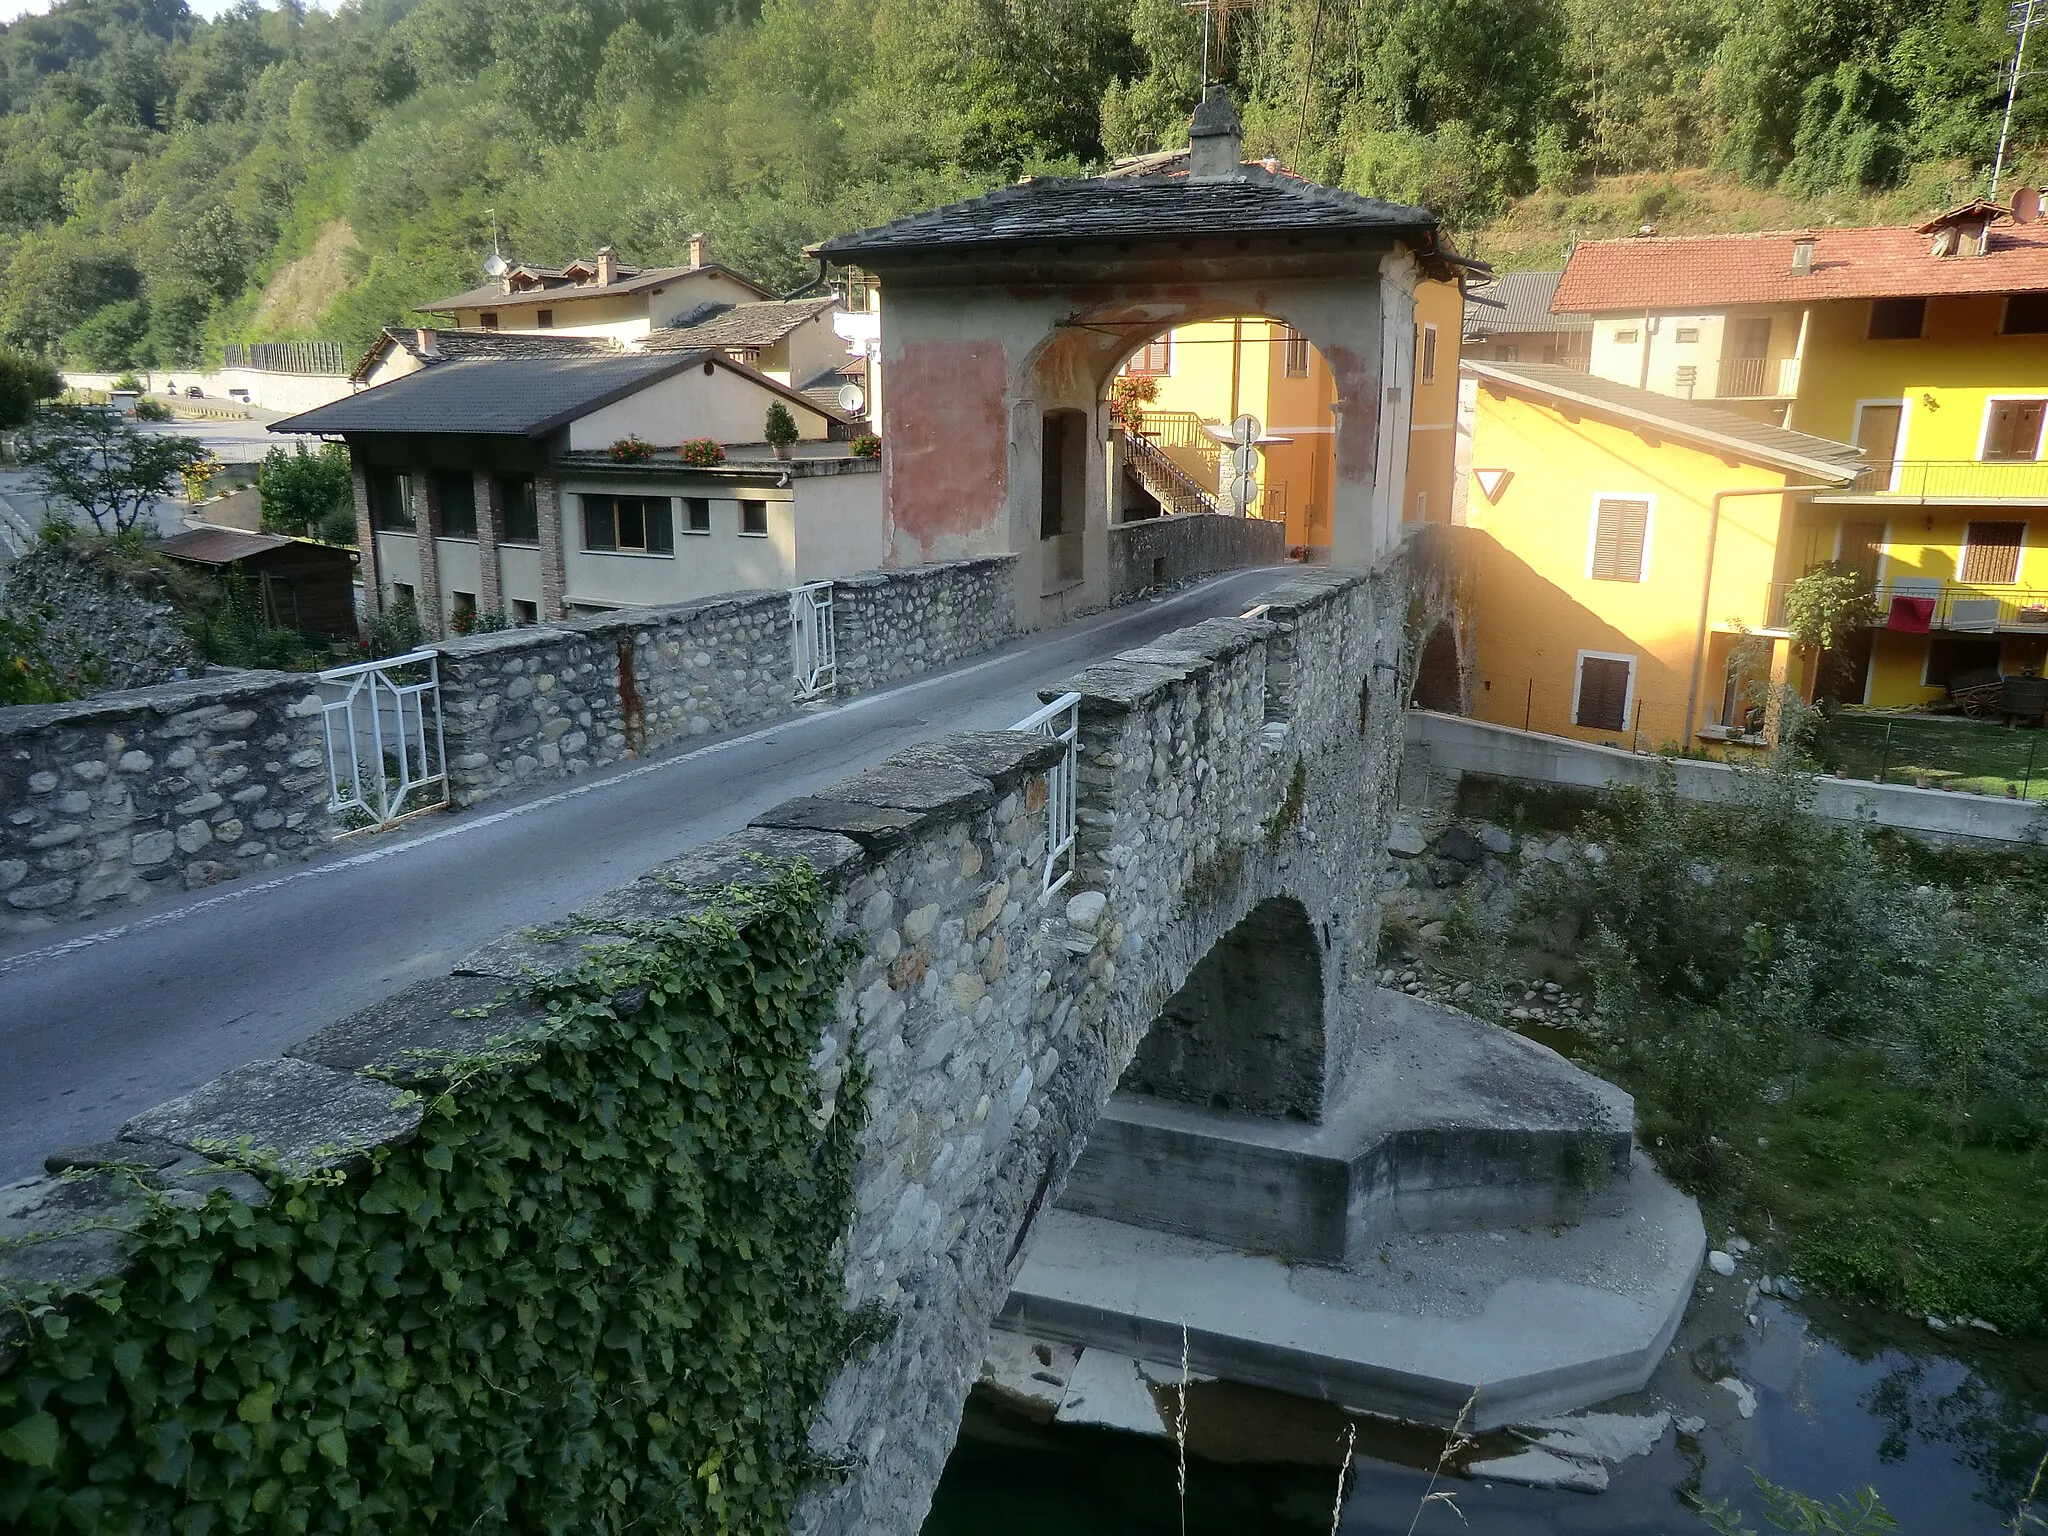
(297,583)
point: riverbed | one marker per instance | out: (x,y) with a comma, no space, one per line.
(1946,1427)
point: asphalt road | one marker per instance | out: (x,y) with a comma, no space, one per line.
(98,1023)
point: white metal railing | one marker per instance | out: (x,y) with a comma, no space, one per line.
(814,646)
(1061,720)
(386,755)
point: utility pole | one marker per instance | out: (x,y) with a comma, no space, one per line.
(2019,21)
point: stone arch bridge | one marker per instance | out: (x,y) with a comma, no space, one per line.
(1215,944)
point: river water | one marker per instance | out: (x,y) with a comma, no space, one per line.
(1947,1428)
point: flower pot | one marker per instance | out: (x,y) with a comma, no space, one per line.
(783,450)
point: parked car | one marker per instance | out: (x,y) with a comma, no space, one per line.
(194,392)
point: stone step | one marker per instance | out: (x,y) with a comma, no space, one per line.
(1443,1123)
(1534,1321)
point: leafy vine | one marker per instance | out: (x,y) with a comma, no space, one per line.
(598,1291)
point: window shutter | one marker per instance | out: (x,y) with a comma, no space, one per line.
(1619,528)
(1991,552)
(1603,694)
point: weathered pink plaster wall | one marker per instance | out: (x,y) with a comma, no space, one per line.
(948,474)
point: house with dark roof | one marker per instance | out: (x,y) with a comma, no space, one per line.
(1634,552)
(1927,347)
(1508,319)
(597,296)
(545,485)
(1005,318)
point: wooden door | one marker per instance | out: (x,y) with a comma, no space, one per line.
(1862,549)
(1877,431)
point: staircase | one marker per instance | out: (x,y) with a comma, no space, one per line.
(1178,492)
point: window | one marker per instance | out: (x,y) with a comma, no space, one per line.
(390,501)
(1621,531)
(488,319)
(1508,352)
(461,604)
(455,490)
(1429,354)
(2026,314)
(401,594)
(1897,319)
(1991,552)
(544,319)
(521,509)
(2012,429)
(639,525)
(1155,359)
(1686,335)
(696,514)
(1295,353)
(1626,338)
(754,519)
(1600,699)
(524,612)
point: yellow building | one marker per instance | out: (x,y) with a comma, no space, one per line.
(1631,546)
(1205,376)
(1928,348)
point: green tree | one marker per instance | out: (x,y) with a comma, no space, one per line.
(25,382)
(303,491)
(93,460)
(113,337)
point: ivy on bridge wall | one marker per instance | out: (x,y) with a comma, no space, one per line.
(597,1291)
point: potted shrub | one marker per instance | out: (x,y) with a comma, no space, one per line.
(632,450)
(779,429)
(701,453)
(866,446)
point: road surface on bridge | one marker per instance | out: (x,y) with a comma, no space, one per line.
(100,1021)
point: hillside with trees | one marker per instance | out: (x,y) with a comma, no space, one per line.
(169,183)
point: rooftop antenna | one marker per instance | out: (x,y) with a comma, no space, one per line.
(1208,10)
(2019,21)
(494,264)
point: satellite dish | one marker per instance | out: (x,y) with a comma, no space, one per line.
(495,265)
(852,399)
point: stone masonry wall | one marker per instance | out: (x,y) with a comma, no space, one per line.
(104,803)
(897,623)
(1221,767)
(1168,551)
(527,705)
(519,707)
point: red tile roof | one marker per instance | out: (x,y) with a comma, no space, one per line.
(1713,271)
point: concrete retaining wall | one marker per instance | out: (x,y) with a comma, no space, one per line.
(1449,747)
(1167,551)
(111,801)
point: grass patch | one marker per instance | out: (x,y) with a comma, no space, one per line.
(1980,756)
(1872,1196)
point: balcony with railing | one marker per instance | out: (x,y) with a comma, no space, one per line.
(1948,480)
(1758,378)
(1922,603)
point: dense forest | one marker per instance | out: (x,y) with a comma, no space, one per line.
(168,183)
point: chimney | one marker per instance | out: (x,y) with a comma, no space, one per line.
(429,342)
(1802,256)
(1215,139)
(607,266)
(698,248)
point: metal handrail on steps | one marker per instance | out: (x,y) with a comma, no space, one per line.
(1177,490)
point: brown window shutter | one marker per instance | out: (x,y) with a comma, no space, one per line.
(1618,532)
(1991,552)
(1603,694)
